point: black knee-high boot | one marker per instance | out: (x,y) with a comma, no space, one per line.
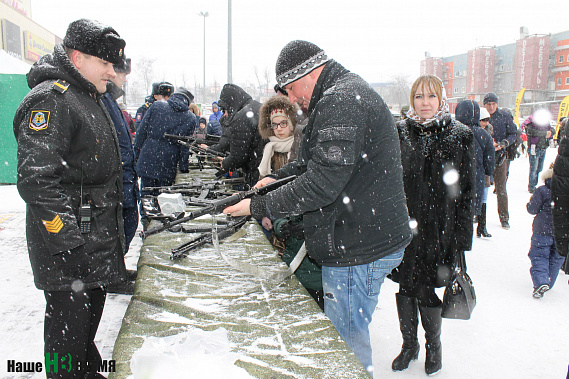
(432,323)
(481,228)
(408,321)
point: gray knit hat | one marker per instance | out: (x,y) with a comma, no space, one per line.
(490,97)
(297,59)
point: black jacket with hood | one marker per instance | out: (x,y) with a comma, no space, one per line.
(468,113)
(65,137)
(350,183)
(245,143)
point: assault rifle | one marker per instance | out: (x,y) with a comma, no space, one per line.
(216,206)
(193,144)
(207,237)
(210,139)
(196,185)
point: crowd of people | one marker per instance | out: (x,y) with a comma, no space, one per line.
(373,199)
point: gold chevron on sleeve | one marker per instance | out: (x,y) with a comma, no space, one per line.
(53,226)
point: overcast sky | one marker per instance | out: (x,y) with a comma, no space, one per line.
(376,39)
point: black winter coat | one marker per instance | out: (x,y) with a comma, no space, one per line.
(350,184)
(560,196)
(468,113)
(65,135)
(157,157)
(441,151)
(245,143)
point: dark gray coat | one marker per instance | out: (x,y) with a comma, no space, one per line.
(350,184)
(62,133)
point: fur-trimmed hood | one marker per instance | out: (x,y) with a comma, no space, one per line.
(275,102)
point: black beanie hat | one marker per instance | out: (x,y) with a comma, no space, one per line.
(123,67)
(297,59)
(93,38)
(490,97)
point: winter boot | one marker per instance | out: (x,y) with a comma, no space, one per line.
(481,228)
(408,321)
(432,323)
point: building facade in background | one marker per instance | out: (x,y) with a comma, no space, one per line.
(21,37)
(538,63)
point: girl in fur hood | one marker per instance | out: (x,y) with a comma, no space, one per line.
(277,122)
(545,261)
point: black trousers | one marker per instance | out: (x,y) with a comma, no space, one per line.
(71,322)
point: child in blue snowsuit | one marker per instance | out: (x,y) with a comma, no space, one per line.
(545,261)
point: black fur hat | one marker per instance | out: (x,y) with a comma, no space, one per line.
(164,89)
(93,38)
(123,67)
(297,59)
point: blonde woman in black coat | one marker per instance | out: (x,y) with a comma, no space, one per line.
(437,154)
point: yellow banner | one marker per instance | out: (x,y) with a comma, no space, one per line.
(519,99)
(563,112)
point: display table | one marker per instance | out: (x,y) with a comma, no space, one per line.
(275,329)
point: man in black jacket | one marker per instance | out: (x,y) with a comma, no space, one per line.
(349,188)
(240,120)
(69,175)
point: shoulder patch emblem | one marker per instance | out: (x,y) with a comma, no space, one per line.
(39,120)
(53,226)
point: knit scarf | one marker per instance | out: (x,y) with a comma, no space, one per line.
(277,145)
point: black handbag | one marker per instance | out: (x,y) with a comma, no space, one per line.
(459,298)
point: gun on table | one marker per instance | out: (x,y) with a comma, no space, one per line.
(196,186)
(193,144)
(182,250)
(210,139)
(216,206)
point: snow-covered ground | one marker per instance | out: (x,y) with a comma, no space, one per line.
(511,334)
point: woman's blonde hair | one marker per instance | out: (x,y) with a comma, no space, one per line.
(430,82)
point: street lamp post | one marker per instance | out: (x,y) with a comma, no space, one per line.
(204,15)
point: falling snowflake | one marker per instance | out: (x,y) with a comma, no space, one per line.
(450,177)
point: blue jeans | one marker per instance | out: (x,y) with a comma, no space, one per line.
(545,261)
(350,297)
(535,167)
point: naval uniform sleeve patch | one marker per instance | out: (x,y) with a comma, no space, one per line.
(53,226)
(39,120)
